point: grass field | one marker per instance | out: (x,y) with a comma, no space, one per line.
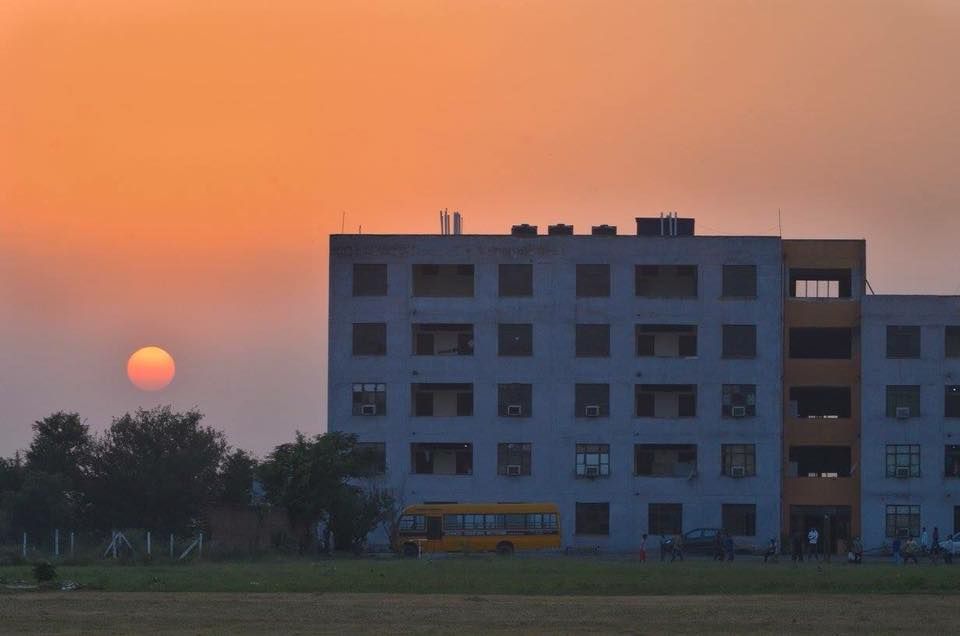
(481,575)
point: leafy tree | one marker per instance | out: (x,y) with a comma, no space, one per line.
(11,474)
(236,478)
(38,506)
(356,512)
(311,478)
(61,446)
(155,469)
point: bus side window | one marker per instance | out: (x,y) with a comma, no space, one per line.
(434,528)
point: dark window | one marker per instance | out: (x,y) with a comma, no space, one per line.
(820,283)
(369,398)
(666,281)
(903,401)
(903,342)
(592,400)
(516,280)
(739,460)
(740,519)
(442,459)
(443,281)
(665,518)
(829,343)
(515,400)
(593,341)
(829,402)
(593,518)
(442,399)
(593,281)
(903,521)
(951,461)
(665,400)
(514,459)
(665,460)
(369,279)
(371,458)
(369,339)
(819,461)
(515,340)
(666,341)
(592,460)
(903,460)
(952,342)
(739,341)
(740,281)
(951,401)
(739,400)
(442,339)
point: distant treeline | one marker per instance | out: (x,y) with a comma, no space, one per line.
(159,469)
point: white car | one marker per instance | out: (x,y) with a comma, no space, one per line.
(951,545)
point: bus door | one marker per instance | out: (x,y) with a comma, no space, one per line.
(434,532)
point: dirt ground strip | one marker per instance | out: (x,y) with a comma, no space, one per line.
(210,613)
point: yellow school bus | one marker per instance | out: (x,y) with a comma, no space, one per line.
(478,527)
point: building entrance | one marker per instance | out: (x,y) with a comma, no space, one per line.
(832,522)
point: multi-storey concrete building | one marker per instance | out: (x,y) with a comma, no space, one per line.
(911,416)
(652,383)
(633,380)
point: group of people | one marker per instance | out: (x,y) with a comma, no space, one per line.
(909,550)
(722,547)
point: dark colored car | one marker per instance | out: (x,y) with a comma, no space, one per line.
(700,540)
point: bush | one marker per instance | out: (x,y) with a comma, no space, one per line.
(44,571)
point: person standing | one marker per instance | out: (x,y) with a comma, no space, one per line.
(896,550)
(796,548)
(718,547)
(813,543)
(771,552)
(935,547)
(677,548)
(666,547)
(728,546)
(924,541)
(643,549)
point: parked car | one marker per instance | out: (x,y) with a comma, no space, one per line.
(951,545)
(700,540)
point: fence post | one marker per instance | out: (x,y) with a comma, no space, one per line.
(24,545)
(56,542)
(148,543)
(71,544)
(171,545)
(114,544)
(200,546)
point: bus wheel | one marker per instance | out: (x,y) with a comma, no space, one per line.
(505,548)
(410,550)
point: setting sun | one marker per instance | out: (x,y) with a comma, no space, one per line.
(151,368)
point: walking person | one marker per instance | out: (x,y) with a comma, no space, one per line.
(666,547)
(910,551)
(924,541)
(771,553)
(813,543)
(935,547)
(896,550)
(643,549)
(677,548)
(728,546)
(796,548)
(718,547)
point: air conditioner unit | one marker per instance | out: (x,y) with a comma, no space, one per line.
(738,471)
(368,409)
(902,472)
(903,412)
(592,411)
(592,471)
(513,470)
(738,411)
(514,410)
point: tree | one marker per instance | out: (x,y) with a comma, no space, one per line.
(155,469)
(61,446)
(236,478)
(311,478)
(38,506)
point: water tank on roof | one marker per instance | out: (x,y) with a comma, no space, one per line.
(524,229)
(604,230)
(560,229)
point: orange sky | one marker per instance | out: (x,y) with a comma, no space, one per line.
(170,170)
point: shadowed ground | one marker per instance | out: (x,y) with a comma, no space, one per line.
(135,612)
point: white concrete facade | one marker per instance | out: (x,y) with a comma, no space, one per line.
(554,369)
(936,495)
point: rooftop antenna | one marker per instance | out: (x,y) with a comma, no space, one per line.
(343,219)
(780,222)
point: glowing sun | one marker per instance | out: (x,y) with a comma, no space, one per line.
(151,368)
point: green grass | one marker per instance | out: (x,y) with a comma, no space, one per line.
(492,575)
